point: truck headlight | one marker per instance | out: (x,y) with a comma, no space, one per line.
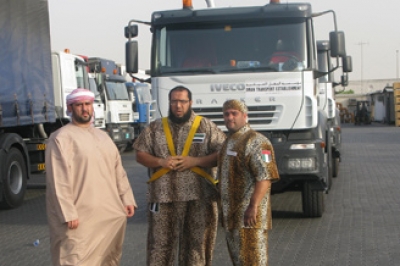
(302,164)
(302,146)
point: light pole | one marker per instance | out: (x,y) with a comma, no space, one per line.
(361,81)
(397,64)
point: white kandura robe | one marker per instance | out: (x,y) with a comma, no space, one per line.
(86,181)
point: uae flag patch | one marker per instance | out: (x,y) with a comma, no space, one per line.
(266,156)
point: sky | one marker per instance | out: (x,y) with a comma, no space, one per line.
(96,28)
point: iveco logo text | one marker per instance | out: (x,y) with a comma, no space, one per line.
(228,87)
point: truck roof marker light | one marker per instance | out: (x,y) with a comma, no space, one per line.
(187,4)
(66,50)
(274,1)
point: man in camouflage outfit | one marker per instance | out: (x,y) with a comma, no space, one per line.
(180,151)
(246,168)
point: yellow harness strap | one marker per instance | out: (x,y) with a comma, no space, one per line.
(185,151)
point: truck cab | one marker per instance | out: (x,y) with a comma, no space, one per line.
(326,98)
(265,56)
(98,105)
(70,72)
(114,95)
(143,105)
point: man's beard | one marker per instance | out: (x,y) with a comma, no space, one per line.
(82,120)
(180,120)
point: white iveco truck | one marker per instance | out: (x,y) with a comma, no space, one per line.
(265,56)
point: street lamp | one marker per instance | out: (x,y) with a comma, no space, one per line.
(361,46)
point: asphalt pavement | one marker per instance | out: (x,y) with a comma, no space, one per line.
(360,225)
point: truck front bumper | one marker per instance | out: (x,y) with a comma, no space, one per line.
(301,162)
(120,133)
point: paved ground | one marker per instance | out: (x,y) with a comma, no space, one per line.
(360,225)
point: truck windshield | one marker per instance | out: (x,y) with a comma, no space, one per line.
(81,73)
(116,91)
(220,48)
(93,88)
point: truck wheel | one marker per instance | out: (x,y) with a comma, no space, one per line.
(329,179)
(313,201)
(335,166)
(330,170)
(14,175)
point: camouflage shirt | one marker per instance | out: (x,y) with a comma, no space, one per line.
(185,185)
(247,157)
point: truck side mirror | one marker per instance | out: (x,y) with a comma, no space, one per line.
(131,56)
(347,64)
(131,31)
(344,80)
(337,43)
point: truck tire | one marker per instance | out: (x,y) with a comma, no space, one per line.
(14,175)
(312,201)
(330,170)
(335,166)
(330,155)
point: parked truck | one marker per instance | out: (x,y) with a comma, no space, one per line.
(326,98)
(98,105)
(27,104)
(34,83)
(265,56)
(113,92)
(143,105)
(70,72)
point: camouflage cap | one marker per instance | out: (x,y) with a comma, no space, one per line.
(235,104)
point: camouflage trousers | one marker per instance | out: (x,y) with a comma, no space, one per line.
(248,246)
(189,225)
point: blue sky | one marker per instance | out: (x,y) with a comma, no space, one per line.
(95,28)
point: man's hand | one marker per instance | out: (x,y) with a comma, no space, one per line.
(130,210)
(250,216)
(182,163)
(168,162)
(73,224)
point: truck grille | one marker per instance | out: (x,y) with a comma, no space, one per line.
(124,117)
(98,122)
(257,114)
